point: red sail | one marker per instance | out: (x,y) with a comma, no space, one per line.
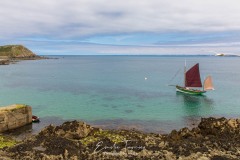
(193,77)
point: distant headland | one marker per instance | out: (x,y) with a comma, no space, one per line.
(11,53)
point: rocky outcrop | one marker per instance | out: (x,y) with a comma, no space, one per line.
(4,61)
(14,116)
(213,139)
(71,130)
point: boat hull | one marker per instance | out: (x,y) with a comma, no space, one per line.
(35,119)
(189,91)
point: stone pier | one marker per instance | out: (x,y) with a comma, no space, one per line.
(14,116)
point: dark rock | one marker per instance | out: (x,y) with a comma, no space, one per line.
(71,130)
(212,139)
(219,158)
(4,61)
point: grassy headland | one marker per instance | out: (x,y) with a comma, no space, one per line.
(16,52)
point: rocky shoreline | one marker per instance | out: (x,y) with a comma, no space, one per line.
(212,139)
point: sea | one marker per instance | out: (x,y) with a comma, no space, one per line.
(121,92)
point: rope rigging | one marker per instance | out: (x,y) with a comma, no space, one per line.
(174,76)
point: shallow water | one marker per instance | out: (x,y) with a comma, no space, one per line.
(121,91)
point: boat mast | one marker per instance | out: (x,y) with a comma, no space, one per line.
(203,84)
(185,69)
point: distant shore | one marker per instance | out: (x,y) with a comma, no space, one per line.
(212,139)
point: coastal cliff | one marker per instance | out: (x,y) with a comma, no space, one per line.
(212,139)
(16,52)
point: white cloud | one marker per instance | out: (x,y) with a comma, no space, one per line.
(72,18)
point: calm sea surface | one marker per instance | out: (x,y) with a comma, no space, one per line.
(121,91)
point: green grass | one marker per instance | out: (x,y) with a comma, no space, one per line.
(14,51)
(6,142)
(5,48)
(18,106)
(98,135)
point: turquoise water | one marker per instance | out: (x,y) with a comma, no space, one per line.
(128,91)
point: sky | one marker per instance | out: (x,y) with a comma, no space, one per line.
(128,27)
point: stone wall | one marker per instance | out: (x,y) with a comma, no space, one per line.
(14,116)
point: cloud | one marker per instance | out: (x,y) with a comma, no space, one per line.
(70,18)
(122,23)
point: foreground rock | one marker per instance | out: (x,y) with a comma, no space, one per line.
(213,139)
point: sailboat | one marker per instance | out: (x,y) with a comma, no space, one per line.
(192,81)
